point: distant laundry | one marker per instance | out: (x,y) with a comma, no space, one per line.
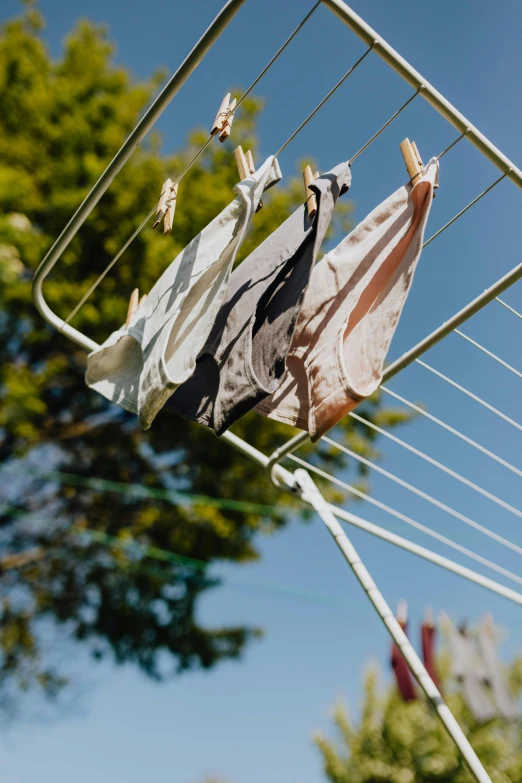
(244,358)
(350,312)
(139,367)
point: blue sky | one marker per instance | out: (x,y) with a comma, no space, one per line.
(252,721)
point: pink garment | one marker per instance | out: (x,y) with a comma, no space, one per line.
(350,311)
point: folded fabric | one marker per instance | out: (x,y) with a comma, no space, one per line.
(244,358)
(350,312)
(403,676)
(494,675)
(469,671)
(140,366)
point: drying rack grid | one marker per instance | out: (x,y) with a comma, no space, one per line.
(300,481)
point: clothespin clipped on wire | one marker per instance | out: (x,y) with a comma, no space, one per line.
(412,159)
(245,166)
(311,200)
(224,118)
(134,303)
(166,206)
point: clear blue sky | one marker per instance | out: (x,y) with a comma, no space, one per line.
(251,722)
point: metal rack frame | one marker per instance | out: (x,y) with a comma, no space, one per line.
(298,481)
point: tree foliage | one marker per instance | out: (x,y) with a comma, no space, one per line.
(61,122)
(398,742)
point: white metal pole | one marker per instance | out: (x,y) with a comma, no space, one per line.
(317,501)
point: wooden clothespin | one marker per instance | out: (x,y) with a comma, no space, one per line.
(428,616)
(142,300)
(311,200)
(217,127)
(241,162)
(227,124)
(133,306)
(412,160)
(402,611)
(162,203)
(168,221)
(252,170)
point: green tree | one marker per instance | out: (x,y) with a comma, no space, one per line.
(397,742)
(61,122)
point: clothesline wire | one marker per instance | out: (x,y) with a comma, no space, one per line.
(278,53)
(489,353)
(140,491)
(454,431)
(408,520)
(327,97)
(425,496)
(470,394)
(180,176)
(453,143)
(441,466)
(508,307)
(471,203)
(383,127)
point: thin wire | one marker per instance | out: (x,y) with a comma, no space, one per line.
(462,211)
(489,353)
(386,124)
(424,495)
(321,104)
(185,170)
(508,307)
(459,138)
(408,520)
(139,491)
(453,473)
(276,55)
(471,395)
(454,431)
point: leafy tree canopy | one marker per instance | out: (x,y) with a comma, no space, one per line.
(61,122)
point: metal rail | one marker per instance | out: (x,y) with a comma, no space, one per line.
(186,68)
(429,93)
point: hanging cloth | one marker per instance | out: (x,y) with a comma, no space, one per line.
(350,312)
(428,651)
(244,358)
(468,670)
(140,366)
(494,674)
(401,670)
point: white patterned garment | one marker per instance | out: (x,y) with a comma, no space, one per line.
(140,366)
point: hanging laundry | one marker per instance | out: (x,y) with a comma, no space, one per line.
(493,672)
(401,670)
(141,365)
(350,312)
(428,650)
(469,671)
(244,358)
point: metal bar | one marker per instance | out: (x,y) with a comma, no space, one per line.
(142,128)
(429,93)
(425,496)
(409,520)
(427,554)
(319,504)
(369,527)
(436,336)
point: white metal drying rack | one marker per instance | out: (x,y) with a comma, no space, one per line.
(300,482)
